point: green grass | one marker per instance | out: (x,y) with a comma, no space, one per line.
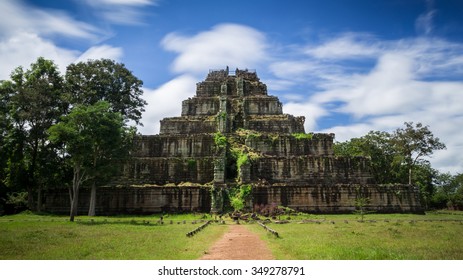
(125,237)
(388,237)
(384,237)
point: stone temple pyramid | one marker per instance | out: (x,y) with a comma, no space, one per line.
(232,134)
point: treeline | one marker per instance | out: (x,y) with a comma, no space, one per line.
(64,130)
(400,157)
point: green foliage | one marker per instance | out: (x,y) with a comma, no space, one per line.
(93,137)
(393,156)
(105,80)
(220,140)
(449,191)
(300,136)
(90,133)
(222,116)
(191,163)
(360,204)
(241,158)
(239,196)
(398,158)
(248,133)
(414,142)
(30,103)
(378,146)
(17,201)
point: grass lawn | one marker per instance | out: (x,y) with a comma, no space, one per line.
(384,237)
(28,236)
(387,237)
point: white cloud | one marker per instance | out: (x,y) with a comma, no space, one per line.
(166,101)
(226,44)
(102,51)
(24,48)
(311,112)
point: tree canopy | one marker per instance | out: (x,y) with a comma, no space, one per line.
(400,157)
(105,80)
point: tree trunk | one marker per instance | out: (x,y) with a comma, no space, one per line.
(91,209)
(39,198)
(30,197)
(32,179)
(75,192)
(410,175)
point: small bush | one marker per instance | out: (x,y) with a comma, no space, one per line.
(300,136)
(220,140)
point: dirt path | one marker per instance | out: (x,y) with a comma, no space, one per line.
(238,244)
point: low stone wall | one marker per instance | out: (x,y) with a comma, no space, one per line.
(132,200)
(340,198)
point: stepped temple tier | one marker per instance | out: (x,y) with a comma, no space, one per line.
(233,136)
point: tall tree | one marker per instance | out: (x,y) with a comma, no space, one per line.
(376,145)
(4,128)
(105,80)
(92,137)
(34,104)
(413,142)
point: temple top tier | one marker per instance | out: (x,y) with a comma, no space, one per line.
(223,74)
(231,83)
(227,101)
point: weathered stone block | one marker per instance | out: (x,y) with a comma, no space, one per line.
(188,125)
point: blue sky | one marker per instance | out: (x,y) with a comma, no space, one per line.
(347,66)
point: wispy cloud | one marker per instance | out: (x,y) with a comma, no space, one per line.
(122,12)
(424,23)
(16,16)
(347,46)
(101,51)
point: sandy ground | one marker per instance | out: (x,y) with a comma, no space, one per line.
(238,244)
